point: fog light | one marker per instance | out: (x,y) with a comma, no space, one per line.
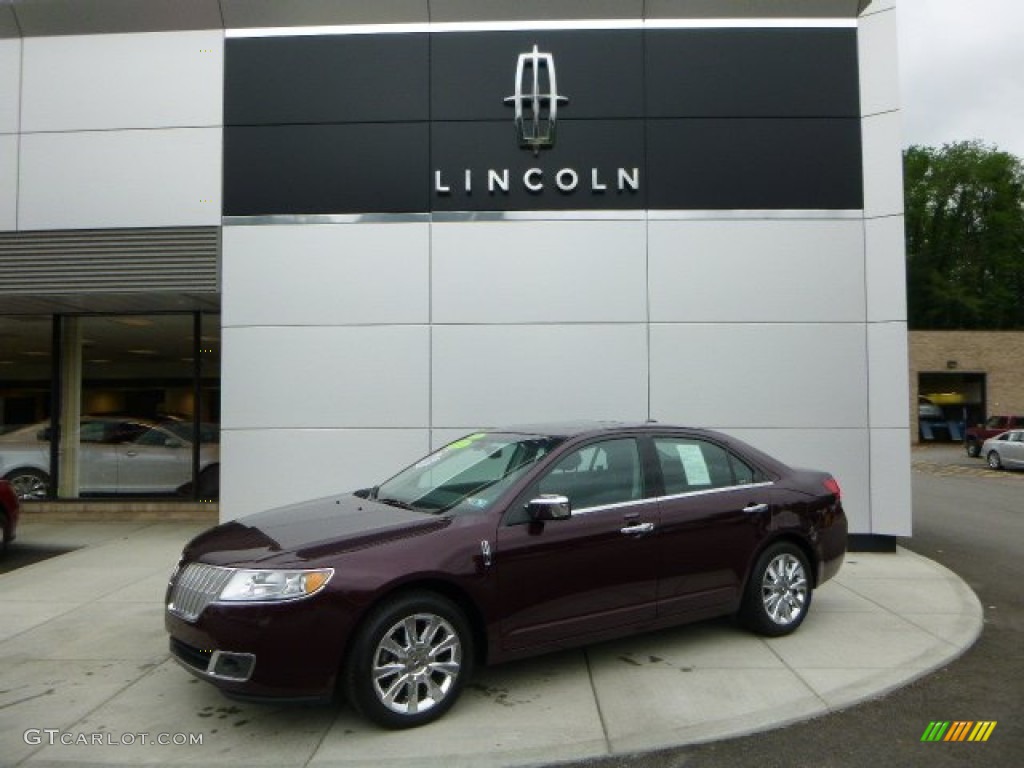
(232,666)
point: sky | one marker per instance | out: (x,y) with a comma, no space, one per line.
(962,71)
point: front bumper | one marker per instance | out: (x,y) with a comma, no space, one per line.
(290,650)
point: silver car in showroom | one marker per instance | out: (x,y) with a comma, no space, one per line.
(118,455)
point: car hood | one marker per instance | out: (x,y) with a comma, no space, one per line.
(302,534)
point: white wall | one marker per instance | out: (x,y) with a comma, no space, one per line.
(407,335)
(885,271)
(115,130)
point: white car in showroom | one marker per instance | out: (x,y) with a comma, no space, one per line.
(117,456)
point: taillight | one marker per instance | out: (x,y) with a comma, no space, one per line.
(832,486)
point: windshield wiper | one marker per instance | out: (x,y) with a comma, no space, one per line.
(397,503)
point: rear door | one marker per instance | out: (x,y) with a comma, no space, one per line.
(565,579)
(714,511)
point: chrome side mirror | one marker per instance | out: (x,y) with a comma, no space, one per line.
(550,506)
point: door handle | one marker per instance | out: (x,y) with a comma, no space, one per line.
(753,509)
(638,529)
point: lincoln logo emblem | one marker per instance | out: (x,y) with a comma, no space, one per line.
(536,109)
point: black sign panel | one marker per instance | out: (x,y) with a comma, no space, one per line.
(655,119)
(594,164)
(298,169)
(326,79)
(601,73)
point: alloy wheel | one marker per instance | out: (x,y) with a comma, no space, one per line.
(784,589)
(416,663)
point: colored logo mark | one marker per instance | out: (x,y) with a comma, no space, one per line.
(958,730)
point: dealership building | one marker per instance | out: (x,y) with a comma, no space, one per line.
(329,236)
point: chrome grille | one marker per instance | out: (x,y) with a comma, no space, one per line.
(195,587)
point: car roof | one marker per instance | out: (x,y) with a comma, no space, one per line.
(578,428)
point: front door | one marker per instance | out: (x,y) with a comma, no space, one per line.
(562,579)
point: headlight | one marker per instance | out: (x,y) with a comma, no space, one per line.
(257,585)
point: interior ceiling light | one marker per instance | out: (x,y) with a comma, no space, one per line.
(133,322)
(143,351)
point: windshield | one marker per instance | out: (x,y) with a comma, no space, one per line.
(470,473)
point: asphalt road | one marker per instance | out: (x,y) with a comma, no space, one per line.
(972,521)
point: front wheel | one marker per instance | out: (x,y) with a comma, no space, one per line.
(994,461)
(778,593)
(409,661)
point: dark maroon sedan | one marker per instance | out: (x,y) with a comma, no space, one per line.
(10,510)
(501,545)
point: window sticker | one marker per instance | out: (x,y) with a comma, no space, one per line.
(694,465)
(466,441)
(441,453)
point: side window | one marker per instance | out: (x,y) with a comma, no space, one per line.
(744,473)
(601,473)
(696,465)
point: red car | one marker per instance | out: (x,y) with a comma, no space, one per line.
(10,509)
(501,545)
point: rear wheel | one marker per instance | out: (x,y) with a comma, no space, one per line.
(29,484)
(778,593)
(409,661)
(994,461)
(973,449)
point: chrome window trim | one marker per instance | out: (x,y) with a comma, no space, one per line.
(542,25)
(671,497)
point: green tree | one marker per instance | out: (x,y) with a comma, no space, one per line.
(965,237)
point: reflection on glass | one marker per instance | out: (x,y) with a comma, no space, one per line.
(26,365)
(139,414)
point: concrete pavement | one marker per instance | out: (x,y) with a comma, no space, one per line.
(83,659)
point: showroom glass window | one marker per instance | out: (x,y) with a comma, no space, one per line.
(119,406)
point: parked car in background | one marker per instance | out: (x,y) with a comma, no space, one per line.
(118,455)
(10,510)
(931,420)
(1005,451)
(500,545)
(995,425)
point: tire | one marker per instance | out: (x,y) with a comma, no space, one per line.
(29,484)
(422,648)
(973,449)
(778,593)
(994,460)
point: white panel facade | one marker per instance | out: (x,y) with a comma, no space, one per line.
(539,272)
(100,82)
(359,274)
(500,375)
(879,63)
(846,453)
(883,165)
(8,182)
(757,271)
(888,378)
(269,468)
(94,179)
(10,85)
(878,5)
(890,486)
(325,377)
(759,375)
(886,269)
